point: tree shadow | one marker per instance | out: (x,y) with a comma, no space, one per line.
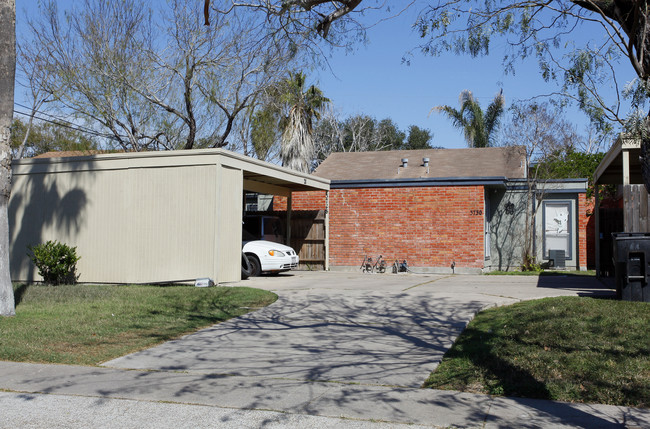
(46,204)
(357,354)
(19,293)
(586,286)
(505,228)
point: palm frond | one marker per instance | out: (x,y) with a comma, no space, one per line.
(493,114)
(477,127)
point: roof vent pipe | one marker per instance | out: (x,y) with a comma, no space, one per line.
(425,161)
(405,162)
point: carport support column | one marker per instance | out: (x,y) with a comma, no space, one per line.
(626,167)
(289,219)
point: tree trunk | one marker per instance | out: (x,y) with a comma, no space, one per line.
(7,76)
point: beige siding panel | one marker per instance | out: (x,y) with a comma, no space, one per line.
(229,213)
(171,227)
(137,225)
(48,207)
(100,241)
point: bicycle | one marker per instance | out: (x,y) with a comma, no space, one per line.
(400,267)
(366,265)
(380,265)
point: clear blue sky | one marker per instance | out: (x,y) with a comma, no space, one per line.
(373,80)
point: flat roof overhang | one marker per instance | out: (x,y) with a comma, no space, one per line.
(551,186)
(259,176)
(612,169)
(419,182)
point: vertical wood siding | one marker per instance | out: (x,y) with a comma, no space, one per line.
(636,208)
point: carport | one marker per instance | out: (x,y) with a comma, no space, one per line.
(621,166)
(149,217)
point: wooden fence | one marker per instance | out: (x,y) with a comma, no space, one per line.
(636,208)
(307,236)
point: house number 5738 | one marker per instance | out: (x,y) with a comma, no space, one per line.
(476,212)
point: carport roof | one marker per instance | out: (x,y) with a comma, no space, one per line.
(612,169)
(259,176)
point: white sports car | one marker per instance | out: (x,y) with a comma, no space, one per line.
(266,256)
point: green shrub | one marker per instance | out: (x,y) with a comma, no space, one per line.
(56,262)
(530,264)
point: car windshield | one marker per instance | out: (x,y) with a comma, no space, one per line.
(253,227)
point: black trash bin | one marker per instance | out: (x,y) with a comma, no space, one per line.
(632,266)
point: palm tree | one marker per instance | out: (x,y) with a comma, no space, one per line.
(478,127)
(304,106)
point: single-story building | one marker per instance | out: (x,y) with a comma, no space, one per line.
(446,210)
(149,217)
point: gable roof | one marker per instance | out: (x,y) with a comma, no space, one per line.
(508,162)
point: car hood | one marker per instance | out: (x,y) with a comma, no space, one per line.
(266,245)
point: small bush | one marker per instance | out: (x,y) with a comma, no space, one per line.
(530,264)
(56,262)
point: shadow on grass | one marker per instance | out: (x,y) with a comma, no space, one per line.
(502,378)
(275,358)
(568,273)
(19,293)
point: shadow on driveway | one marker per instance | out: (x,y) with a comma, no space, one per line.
(587,286)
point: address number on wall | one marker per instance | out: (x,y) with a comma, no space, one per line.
(476,212)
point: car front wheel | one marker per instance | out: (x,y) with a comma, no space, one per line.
(245,267)
(256,267)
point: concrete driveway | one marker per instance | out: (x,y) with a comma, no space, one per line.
(336,350)
(374,329)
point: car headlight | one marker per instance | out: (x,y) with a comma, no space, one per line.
(276,253)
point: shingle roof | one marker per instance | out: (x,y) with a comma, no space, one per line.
(506,162)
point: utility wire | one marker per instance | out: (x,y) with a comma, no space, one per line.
(64,125)
(62,122)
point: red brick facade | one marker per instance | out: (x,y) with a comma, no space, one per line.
(427,226)
(583,220)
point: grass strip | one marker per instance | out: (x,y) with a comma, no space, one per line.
(569,349)
(90,324)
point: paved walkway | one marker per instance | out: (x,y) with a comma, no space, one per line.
(334,345)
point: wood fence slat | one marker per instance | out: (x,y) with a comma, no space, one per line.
(636,208)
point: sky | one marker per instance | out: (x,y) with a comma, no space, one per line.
(373,80)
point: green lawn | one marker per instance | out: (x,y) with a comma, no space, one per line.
(90,324)
(568,349)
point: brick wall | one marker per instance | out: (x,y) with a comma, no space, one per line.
(301,201)
(429,226)
(591,233)
(583,221)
